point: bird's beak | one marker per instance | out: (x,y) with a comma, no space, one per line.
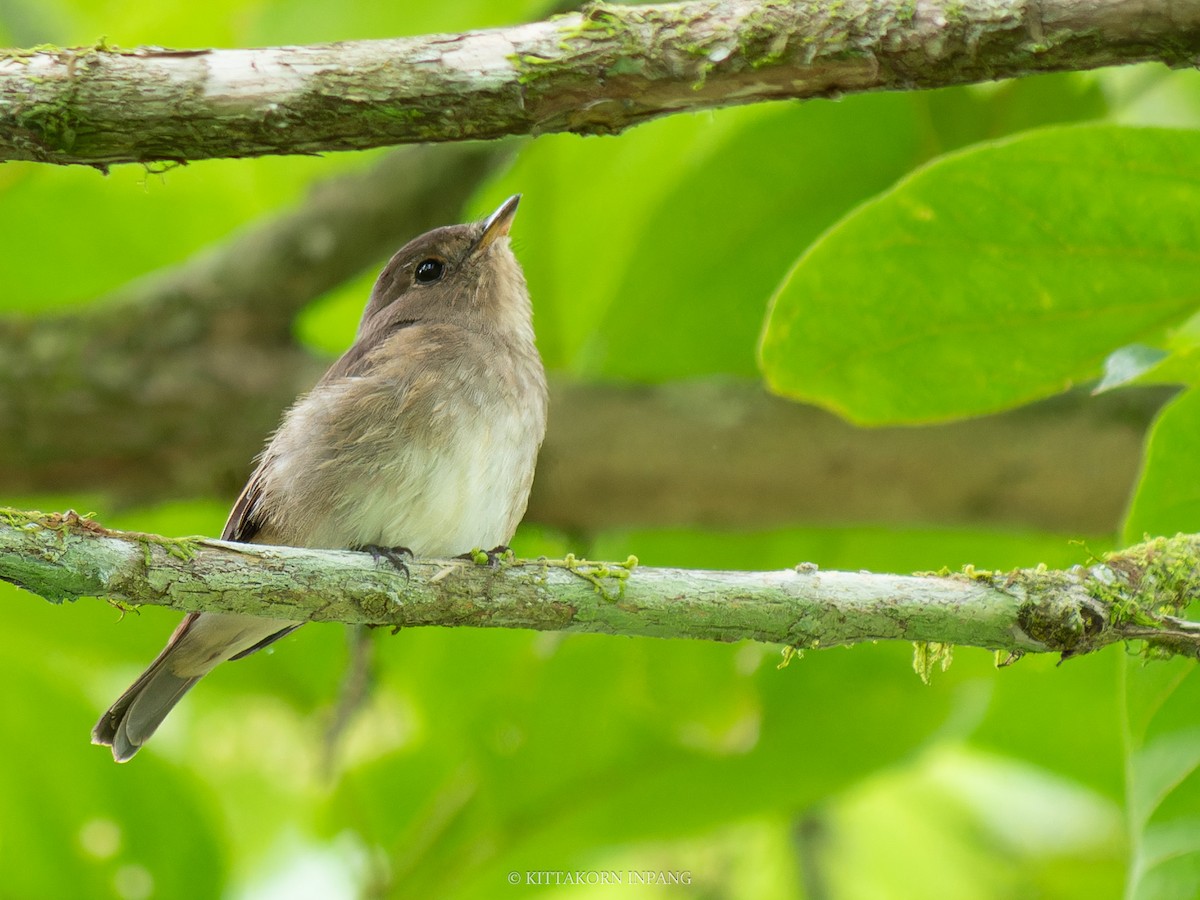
(497,224)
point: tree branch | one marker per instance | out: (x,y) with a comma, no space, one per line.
(726,454)
(598,71)
(62,557)
(1064,464)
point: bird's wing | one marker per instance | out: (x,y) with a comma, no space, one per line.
(244,519)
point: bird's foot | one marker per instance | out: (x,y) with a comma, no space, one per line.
(490,558)
(394,555)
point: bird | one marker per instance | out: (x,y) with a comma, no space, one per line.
(421,440)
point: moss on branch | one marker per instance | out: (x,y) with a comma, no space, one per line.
(598,71)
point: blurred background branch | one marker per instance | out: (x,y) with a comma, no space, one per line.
(598,71)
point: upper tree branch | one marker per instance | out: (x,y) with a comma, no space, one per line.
(63,557)
(598,71)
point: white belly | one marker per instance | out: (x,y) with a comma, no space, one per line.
(449,501)
(442,464)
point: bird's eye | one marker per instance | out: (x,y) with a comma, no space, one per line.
(429,270)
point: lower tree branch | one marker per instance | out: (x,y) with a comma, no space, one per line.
(1137,593)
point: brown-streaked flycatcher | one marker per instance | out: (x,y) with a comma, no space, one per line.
(423,436)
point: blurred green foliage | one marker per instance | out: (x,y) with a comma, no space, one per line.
(653,256)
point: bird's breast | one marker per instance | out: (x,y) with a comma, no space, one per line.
(443,497)
(440,462)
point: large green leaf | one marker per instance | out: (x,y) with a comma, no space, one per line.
(1167,499)
(1126,729)
(690,300)
(582,219)
(993,277)
(1163,787)
(651,257)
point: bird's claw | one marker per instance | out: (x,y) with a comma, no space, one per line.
(394,555)
(490,558)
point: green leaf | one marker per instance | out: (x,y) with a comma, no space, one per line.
(1167,498)
(993,277)
(581,218)
(691,297)
(979,112)
(1126,365)
(679,230)
(1163,787)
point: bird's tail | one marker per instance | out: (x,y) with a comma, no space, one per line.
(139,711)
(200,643)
